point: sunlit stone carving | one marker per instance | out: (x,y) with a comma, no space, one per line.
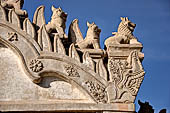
(49,70)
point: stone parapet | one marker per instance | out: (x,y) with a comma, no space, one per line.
(47,70)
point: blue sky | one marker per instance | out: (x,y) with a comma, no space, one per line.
(153,30)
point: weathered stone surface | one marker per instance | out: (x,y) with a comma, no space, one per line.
(47,71)
(124,35)
(2,14)
(16,4)
(57,23)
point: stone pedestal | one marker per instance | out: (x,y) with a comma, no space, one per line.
(125,69)
(122,51)
(95,54)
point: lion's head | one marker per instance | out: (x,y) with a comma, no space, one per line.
(126,26)
(58,13)
(93,31)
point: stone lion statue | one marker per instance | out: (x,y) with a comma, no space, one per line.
(57,23)
(92,37)
(124,35)
(14,4)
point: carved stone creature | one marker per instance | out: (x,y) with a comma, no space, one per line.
(91,40)
(57,23)
(124,34)
(92,37)
(16,4)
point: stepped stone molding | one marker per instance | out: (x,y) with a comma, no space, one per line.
(47,68)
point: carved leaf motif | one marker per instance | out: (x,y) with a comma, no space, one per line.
(116,69)
(28,27)
(73,53)
(39,19)
(97,91)
(75,34)
(72,71)
(44,39)
(2,13)
(127,75)
(58,46)
(101,70)
(135,76)
(13,18)
(87,60)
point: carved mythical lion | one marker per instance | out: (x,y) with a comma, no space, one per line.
(92,36)
(124,34)
(57,23)
(16,4)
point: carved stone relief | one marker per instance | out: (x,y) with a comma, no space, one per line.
(127,76)
(91,40)
(16,4)
(12,36)
(36,65)
(71,71)
(57,22)
(99,75)
(124,35)
(97,91)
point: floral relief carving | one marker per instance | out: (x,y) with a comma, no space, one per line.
(36,65)
(71,71)
(127,75)
(12,36)
(97,91)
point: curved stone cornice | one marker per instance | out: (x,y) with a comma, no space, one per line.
(36,62)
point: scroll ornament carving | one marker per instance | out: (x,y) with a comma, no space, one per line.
(97,91)
(13,36)
(36,65)
(127,75)
(71,71)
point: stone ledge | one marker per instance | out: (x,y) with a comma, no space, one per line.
(54,106)
(123,50)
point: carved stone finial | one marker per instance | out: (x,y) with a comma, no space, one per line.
(91,40)
(124,35)
(57,23)
(16,4)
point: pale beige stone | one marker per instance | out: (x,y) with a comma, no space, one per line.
(28,27)
(58,20)
(2,13)
(124,35)
(41,69)
(92,37)
(58,45)
(39,19)
(16,4)
(14,19)
(44,39)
